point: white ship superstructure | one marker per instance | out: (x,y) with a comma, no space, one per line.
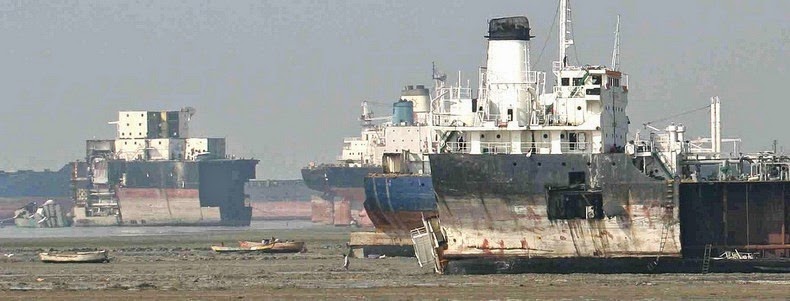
(583,113)
(160,136)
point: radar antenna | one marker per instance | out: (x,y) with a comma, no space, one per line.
(437,76)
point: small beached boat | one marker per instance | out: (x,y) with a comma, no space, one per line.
(224,249)
(287,247)
(74,257)
(275,247)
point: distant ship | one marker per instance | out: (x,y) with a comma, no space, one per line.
(549,180)
(345,178)
(279,199)
(154,173)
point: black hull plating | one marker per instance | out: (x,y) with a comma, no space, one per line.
(325,178)
(494,265)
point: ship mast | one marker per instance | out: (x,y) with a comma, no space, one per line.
(616,51)
(565,21)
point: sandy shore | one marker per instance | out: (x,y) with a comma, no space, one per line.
(177,267)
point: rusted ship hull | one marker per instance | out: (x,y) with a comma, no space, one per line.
(747,216)
(570,206)
(185,193)
(509,214)
(279,199)
(396,203)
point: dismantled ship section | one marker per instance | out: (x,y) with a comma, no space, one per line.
(552,182)
(577,213)
(753,217)
(154,174)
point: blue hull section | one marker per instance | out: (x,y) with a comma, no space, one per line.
(395,203)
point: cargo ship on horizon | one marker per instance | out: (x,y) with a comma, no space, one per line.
(341,184)
(154,173)
(550,181)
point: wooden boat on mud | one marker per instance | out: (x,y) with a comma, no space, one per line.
(224,249)
(277,246)
(74,257)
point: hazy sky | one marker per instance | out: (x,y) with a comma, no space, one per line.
(282,80)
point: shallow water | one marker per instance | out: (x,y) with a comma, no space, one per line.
(10,231)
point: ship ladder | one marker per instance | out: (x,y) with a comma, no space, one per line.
(706,259)
(663,242)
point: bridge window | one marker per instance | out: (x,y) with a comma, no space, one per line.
(566,81)
(596,79)
(578,81)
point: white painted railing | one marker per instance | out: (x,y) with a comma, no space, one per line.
(525,147)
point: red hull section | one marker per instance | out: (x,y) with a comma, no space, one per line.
(283,210)
(355,195)
(154,206)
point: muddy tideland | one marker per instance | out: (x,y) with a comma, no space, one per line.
(179,265)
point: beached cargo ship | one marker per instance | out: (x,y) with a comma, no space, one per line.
(341,184)
(550,181)
(154,173)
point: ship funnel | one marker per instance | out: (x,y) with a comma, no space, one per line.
(419,96)
(508,77)
(509,28)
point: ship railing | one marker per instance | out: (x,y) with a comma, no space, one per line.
(491,117)
(556,66)
(355,159)
(576,147)
(455,120)
(496,147)
(566,147)
(524,147)
(455,92)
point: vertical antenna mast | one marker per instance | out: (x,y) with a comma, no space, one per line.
(565,20)
(616,51)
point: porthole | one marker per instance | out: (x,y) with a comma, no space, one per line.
(498,136)
(540,164)
(579,108)
(562,136)
(563,163)
(545,136)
